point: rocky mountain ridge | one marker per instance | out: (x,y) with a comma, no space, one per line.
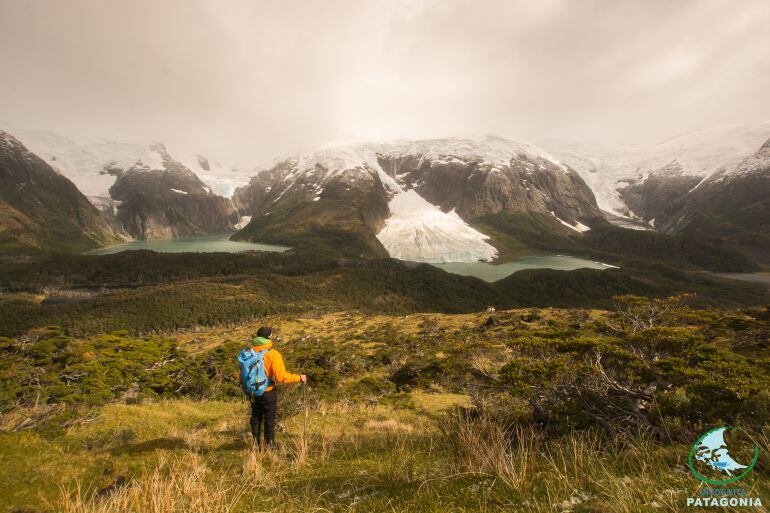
(43,210)
(168,203)
(141,189)
(734,204)
(611,169)
(440,185)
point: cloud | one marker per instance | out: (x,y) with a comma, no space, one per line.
(250,80)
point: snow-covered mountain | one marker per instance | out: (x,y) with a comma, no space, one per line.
(168,203)
(719,198)
(732,204)
(142,188)
(41,209)
(430,200)
(92,163)
(413,199)
(608,168)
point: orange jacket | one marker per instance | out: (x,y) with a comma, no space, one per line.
(275,368)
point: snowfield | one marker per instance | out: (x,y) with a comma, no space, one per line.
(243,222)
(420,232)
(578,226)
(86,161)
(489,149)
(608,167)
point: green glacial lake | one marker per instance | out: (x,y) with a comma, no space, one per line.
(219,243)
(493,272)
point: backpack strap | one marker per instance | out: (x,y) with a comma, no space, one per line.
(270,380)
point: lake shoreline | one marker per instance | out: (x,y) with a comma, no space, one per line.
(495,271)
(760,278)
(210,243)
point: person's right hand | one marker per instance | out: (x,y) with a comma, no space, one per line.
(303,378)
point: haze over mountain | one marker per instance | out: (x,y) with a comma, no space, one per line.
(611,168)
(87,160)
(253,80)
(163,129)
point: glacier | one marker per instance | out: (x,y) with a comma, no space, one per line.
(419,231)
(87,160)
(607,167)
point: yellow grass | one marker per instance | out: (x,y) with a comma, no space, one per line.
(183,484)
(185,456)
(350,326)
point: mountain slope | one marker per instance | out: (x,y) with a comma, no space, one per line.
(134,184)
(168,203)
(734,205)
(88,161)
(649,198)
(608,168)
(361,197)
(327,210)
(41,209)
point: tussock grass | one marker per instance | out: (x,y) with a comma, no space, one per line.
(486,447)
(579,472)
(198,457)
(182,484)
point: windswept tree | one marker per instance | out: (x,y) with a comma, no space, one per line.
(635,313)
(665,378)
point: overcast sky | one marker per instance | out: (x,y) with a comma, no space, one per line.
(253,79)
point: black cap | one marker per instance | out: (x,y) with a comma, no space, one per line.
(265,332)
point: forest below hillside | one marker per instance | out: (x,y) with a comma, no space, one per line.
(143,291)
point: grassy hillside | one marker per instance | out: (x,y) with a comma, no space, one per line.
(343,221)
(118,391)
(182,456)
(425,412)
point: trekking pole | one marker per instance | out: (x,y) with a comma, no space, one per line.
(304,423)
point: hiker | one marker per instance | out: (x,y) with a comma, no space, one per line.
(262,367)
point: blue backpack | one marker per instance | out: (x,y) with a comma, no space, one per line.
(254,379)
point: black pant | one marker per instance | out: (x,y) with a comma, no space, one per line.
(263,410)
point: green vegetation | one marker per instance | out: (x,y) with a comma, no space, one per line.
(687,252)
(342,223)
(131,269)
(520,410)
(118,390)
(521,234)
(147,292)
(180,456)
